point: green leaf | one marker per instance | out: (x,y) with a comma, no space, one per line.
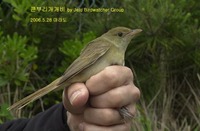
(16,17)
(4,113)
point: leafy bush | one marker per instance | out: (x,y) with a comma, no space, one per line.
(15,66)
(72,48)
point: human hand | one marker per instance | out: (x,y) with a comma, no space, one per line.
(109,90)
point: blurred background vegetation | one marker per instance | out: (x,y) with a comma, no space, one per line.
(165,58)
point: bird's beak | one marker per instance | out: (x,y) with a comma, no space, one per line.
(135,32)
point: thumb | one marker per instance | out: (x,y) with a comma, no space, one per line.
(75,98)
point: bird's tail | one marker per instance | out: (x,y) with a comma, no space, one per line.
(36,95)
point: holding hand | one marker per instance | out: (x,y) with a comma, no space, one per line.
(108,90)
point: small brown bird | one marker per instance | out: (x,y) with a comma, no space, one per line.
(106,50)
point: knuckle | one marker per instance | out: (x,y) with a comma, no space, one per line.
(136,94)
(128,75)
(129,72)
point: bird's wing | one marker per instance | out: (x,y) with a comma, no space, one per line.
(92,52)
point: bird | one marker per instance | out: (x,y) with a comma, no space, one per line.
(106,50)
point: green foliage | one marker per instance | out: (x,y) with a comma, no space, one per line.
(4,113)
(167,44)
(72,48)
(166,56)
(15,59)
(21,8)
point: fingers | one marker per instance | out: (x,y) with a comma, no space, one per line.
(116,97)
(92,127)
(109,90)
(77,123)
(97,119)
(75,98)
(106,116)
(113,92)
(111,77)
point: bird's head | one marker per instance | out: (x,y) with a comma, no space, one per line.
(121,36)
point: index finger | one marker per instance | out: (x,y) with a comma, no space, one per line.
(109,78)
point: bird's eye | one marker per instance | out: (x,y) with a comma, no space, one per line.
(120,34)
